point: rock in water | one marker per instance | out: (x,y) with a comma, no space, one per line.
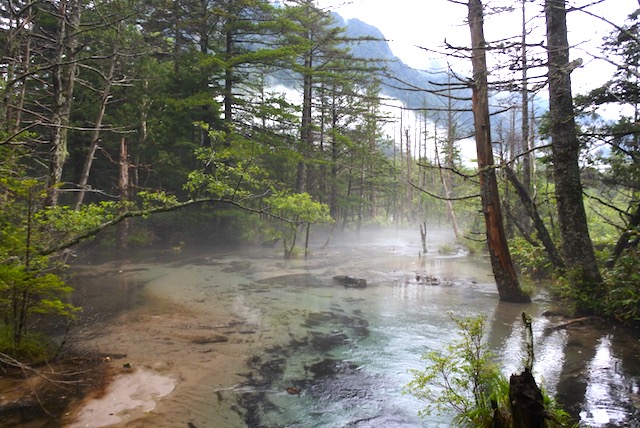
(350,281)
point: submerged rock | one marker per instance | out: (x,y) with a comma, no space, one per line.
(326,342)
(331,367)
(205,340)
(350,281)
(425,278)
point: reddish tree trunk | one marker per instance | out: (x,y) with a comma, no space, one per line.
(501,263)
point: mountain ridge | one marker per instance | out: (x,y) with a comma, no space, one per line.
(414,88)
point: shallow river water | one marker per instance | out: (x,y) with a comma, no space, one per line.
(249,339)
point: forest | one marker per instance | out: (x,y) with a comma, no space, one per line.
(132,123)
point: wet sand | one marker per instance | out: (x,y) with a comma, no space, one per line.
(168,353)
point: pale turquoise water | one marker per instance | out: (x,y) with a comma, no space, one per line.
(366,340)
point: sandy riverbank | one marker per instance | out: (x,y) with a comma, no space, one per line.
(174,363)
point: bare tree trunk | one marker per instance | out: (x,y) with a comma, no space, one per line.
(538,223)
(526,141)
(451,214)
(335,151)
(525,397)
(306,132)
(361,197)
(228,84)
(577,249)
(409,189)
(371,129)
(17,54)
(501,263)
(122,236)
(322,173)
(63,79)
(95,135)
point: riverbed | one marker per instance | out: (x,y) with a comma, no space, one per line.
(243,338)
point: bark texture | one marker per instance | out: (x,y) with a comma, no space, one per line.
(527,404)
(63,80)
(577,249)
(501,263)
(530,207)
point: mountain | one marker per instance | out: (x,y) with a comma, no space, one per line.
(400,81)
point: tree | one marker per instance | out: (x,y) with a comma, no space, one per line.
(302,211)
(29,291)
(63,72)
(314,33)
(577,248)
(116,47)
(503,270)
(462,379)
(615,194)
(622,136)
(17,18)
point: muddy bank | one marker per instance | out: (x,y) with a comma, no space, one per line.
(130,349)
(175,354)
(40,395)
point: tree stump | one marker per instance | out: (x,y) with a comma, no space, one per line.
(527,404)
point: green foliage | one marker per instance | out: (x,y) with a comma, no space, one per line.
(298,210)
(61,221)
(230,172)
(446,249)
(151,200)
(622,284)
(29,291)
(32,348)
(619,295)
(462,380)
(578,297)
(531,260)
(26,295)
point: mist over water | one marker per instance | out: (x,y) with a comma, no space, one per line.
(310,352)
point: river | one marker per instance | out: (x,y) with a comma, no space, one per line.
(241,337)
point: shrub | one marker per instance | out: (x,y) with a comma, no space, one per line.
(622,284)
(531,260)
(464,382)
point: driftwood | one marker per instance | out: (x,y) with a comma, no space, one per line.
(569,322)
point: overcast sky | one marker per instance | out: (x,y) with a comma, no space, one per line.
(410,23)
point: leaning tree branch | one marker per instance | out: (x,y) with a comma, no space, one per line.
(607,204)
(468,177)
(433,195)
(9,361)
(145,212)
(624,241)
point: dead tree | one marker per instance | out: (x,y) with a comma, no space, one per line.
(501,262)
(525,397)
